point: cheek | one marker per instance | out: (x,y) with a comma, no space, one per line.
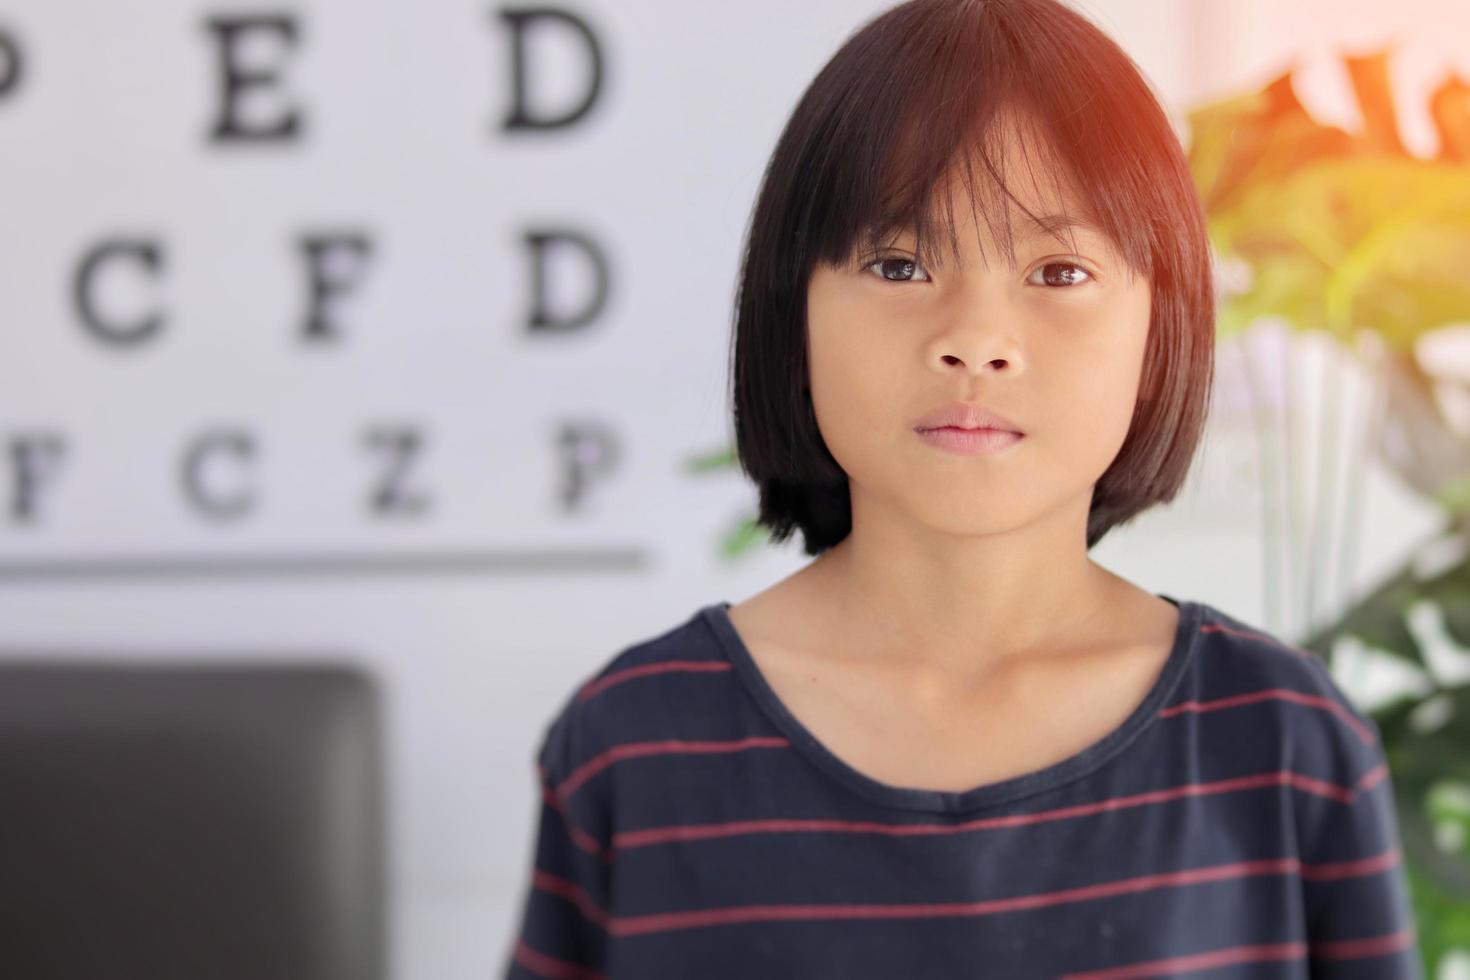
(853,375)
(850,402)
(1095,397)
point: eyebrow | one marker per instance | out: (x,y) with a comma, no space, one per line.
(1030,228)
(1050,224)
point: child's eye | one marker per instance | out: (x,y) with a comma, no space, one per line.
(1069,278)
(902,265)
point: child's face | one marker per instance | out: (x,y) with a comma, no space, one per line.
(1056,351)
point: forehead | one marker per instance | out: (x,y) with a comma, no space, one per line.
(994,224)
(1007,186)
(1016,170)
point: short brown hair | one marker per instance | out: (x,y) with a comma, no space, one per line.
(861,156)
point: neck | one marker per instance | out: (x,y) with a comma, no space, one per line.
(962,605)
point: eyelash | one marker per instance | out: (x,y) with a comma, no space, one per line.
(1091,276)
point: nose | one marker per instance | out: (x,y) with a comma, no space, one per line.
(998,363)
(975,352)
(980,327)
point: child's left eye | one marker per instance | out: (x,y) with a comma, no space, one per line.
(1070,278)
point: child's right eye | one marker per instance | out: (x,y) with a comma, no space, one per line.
(903,265)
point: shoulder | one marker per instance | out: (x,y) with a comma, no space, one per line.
(630,696)
(1290,688)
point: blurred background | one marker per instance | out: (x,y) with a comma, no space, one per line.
(363,389)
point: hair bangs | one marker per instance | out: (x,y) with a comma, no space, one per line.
(953,130)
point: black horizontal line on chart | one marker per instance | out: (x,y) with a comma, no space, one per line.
(488,561)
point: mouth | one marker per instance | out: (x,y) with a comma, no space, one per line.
(969,442)
(966,416)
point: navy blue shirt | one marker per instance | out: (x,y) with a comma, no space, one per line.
(1239,824)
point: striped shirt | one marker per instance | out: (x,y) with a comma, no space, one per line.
(1239,824)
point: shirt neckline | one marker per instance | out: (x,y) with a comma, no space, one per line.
(952,801)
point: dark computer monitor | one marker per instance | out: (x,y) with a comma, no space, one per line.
(205,820)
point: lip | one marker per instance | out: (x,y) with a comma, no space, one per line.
(965,416)
(970,442)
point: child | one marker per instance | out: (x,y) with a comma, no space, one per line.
(953,745)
